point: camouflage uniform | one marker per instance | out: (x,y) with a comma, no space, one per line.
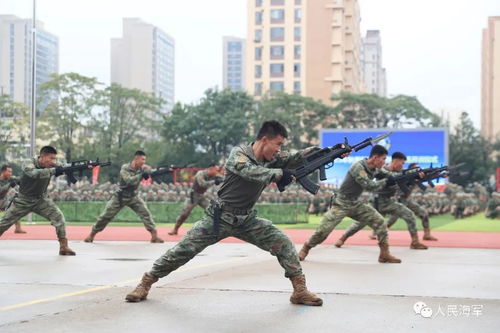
(202,182)
(32,198)
(244,182)
(126,196)
(347,203)
(493,206)
(4,190)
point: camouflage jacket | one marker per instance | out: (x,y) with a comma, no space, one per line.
(359,178)
(246,177)
(130,180)
(202,181)
(35,179)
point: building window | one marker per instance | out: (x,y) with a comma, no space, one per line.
(258,18)
(297,51)
(234,47)
(258,53)
(298,2)
(277,86)
(277,2)
(258,36)
(277,70)
(258,3)
(296,87)
(277,52)
(297,33)
(277,34)
(277,16)
(258,71)
(296,70)
(258,89)
(298,15)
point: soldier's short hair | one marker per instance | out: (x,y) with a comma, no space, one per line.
(378,150)
(4,168)
(213,164)
(139,153)
(271,129)
(398,156)
(46,150)
(413,165)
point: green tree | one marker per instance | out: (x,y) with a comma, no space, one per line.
(13,127)
(125,121)
(203,132)
(71,98)
(302,116)
(373,111)
(469,147)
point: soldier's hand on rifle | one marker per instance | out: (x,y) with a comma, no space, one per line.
(218,180)
(391,181)
(146,174)
(341,146)
(59,171)
(13,183)
(421,174)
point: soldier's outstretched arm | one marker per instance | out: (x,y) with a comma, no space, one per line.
(31,171)
(284,160)
(241,165)
(129,178)
(200,178)
(361,177)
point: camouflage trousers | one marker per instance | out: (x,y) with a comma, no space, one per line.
(45,207)
(493,214)
(359,211)
(114,206)
(418,210)
(195,199)
(248,228)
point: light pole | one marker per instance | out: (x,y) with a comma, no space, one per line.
(33,92)
(33,84)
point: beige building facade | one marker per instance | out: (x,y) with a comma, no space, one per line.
(311,48)
(490,80)
(144,59)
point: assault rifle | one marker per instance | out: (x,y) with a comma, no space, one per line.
(78,166)
(161,170)
(411,177)
(323,159)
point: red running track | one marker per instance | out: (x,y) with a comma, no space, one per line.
(457,239)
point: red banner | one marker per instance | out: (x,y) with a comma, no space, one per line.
(498,179)
(95,175)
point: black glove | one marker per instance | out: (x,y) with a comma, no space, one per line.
(339,146)
(59,171)
(218,180)
(145,175)
(13,183)
(391,181)
(285,180)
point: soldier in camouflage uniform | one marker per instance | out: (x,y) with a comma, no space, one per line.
(32,196)
(249,169)
(203,180)
(385,202)
(131,175)
(346,203)
(6,183)
(411,204)
(493,206)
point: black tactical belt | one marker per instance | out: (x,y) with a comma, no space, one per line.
(236,211)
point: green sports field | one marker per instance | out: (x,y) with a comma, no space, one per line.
(438,223)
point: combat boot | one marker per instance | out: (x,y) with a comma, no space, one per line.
(18,229)
(385,256)
(64,249)
(341,240)
(300,293)
(304,251)
(90,237)
(154,237)
(428,236)
(415,244)
(140,292)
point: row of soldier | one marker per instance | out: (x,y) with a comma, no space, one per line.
(249,170)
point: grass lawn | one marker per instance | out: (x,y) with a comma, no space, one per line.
(439,223)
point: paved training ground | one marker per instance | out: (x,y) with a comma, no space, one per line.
(236,287)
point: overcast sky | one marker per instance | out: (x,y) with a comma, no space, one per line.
(431,48)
